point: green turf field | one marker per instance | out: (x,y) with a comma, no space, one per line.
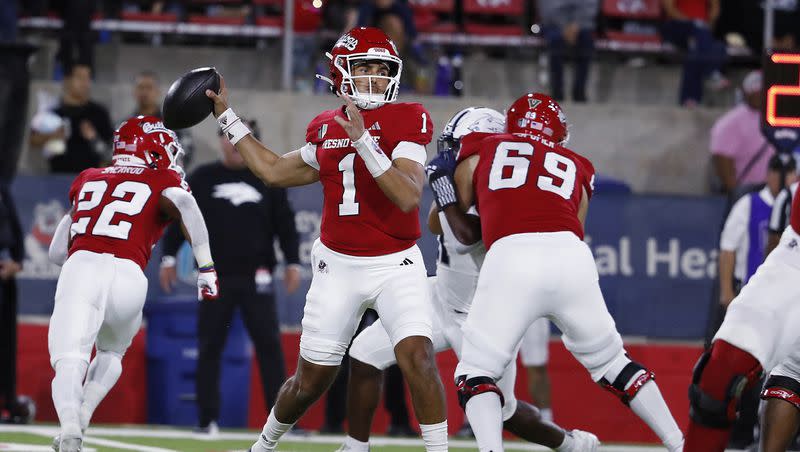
(143,438)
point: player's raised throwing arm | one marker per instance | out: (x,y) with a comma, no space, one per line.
(401,179)
(288,170)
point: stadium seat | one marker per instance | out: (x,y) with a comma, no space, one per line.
(494,17)
(149,17)
(306,17)
(430,16)
(645,12)
(215,20)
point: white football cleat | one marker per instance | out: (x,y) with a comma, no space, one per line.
(582,442)
(68,445)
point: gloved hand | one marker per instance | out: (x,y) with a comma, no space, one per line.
(207,284)
(440,176)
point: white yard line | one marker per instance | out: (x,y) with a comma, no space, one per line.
(162,432)
(49,432)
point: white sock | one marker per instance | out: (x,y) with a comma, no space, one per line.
(547,414)
(270,434)
(104,371)
(649,405)
(355,445)
(485,415)
(67,394)
(434,436)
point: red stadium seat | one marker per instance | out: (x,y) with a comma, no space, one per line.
(306,17)
(431,15)
(494,17)
(642,11)
(215,20)
(149,17)
(632,9)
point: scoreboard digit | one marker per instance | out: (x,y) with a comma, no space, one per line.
(781,106)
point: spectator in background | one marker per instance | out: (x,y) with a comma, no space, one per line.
(12,253)
(86,133)
(688,26)
(569,23)
(742,249)
(244,217)
(147,95)
(76,44)
(739,150)
(394,17)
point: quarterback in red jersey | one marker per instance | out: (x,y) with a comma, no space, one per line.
(532,195)
(369,157)
(118,213)
(759,333)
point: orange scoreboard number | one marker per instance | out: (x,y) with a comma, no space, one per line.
(782,90)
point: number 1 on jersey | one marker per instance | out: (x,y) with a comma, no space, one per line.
(348,206)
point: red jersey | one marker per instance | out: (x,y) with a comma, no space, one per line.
(526,184)
(794,217)
(116,210)
(357,217)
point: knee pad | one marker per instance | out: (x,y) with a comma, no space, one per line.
(469,388)
(620,387)
(720,376)
(783,388)
(322,352)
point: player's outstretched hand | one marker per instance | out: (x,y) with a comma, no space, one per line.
(207,284)
(220,99)
(355,126)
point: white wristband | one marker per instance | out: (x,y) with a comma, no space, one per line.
(232,127)
(376,161)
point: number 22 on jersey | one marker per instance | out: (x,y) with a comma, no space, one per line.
(555,164)
(91,197)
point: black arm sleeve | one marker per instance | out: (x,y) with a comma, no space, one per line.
(283,219)
(18,246)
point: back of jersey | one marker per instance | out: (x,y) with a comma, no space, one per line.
(116,210)
(527,184)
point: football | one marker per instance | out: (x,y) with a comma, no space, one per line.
(186,103)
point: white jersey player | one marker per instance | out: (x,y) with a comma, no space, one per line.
(452,289)
(104,243)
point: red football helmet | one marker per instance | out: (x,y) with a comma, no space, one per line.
(362,45)
(143,140)
(537,114)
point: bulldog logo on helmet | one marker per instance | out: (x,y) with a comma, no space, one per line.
(348,42)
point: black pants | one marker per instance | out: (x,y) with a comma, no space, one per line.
(8,342)
(261,320)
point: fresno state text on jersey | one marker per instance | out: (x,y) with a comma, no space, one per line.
(116,210)
(527,184)
(357,217)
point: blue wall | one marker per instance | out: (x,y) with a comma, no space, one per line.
(657,255)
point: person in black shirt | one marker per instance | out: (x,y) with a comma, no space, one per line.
(87,126)
(12,253)
(244,217)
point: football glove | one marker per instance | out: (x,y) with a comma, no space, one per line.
(440,176)
(207,284)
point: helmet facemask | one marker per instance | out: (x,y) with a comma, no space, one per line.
(370,99)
